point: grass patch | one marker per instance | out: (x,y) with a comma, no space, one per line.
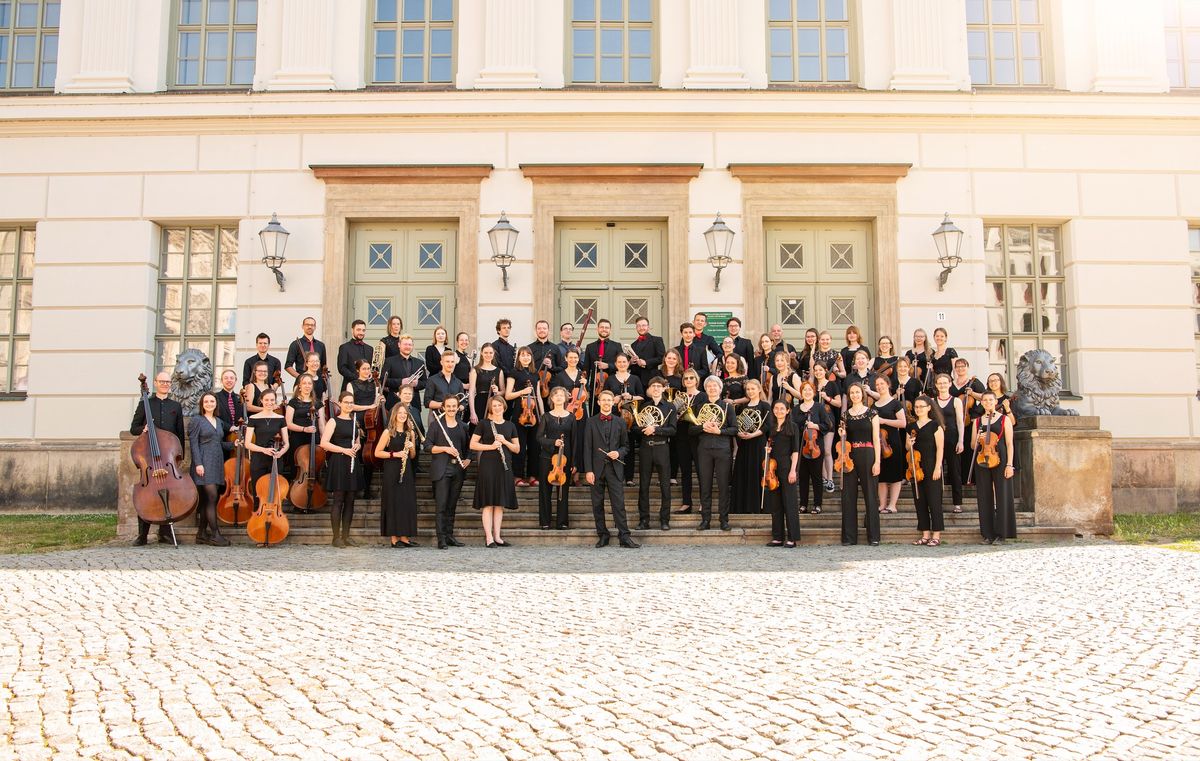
(24,534)
(1176,530)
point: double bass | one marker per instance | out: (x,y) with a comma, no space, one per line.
(237,502)
(164,494)
(307,492)
(269,525)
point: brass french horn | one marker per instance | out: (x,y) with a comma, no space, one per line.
(749,421)
(650,415)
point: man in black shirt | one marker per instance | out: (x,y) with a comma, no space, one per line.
(655,452)
(741,345)
(302,347)
(693,353)
(398,370)
(566,333)
(168,416)
(710,344)
(263,343)
(600,354)
(605,442)
(445,384)
(506,353)
(230,407)
(780,345)
(648,350)
(546,356)
(350,352)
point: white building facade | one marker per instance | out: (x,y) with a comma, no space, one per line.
(144,143)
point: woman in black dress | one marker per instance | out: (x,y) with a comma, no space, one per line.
(784,437)
(997,515)
(487,380)
(304,417)
(951,409)
(751,446)
(809,415)
(252,392)
(367,395)
(785,382)
(555,435)
(905,386)
(434,351)
(853,346)
(628,392)
(927,438)
(261,430)
(892,423)
(829,396)
(206,435)
(574,381)
(861,375)
(495,491)
(764,363)
(733,375)
(942,357)
(805,360)
(342,438)
(860,427)
(885,360)
(523,385)
(826,355)
(396,447)
(995,384)
(312,368)
(919,358)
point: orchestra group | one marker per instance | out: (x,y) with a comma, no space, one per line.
(764,427)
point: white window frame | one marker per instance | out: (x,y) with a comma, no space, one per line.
(182,278)
(598,25)
(1019,29)
(822,25)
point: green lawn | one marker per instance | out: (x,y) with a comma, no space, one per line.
(1179,531)
(23,534)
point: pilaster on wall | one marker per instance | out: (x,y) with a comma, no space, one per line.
(97,37)
(303,33)
(930,45)
(1129,48)
(714,59)
(509,46)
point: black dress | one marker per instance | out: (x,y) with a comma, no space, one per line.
(735,387)
(944,363)
(878,365)
(568,383)
(747,465)
(928,496)
(495,484)
(891,469)
(848,356)
(265,430)
(484,379)
(337,475)
(398,516)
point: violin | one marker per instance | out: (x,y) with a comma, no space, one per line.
(770,479)
(558,469)
(165,493)
(811,449)
(841,455)
(373,423)
(600,379)
(988,456)
(307,492)
(577,403)
(332,408)
(885,443)
(281,395)
(914,472)
(237,503)
(269,525)
(544,378)
(528,416)
(887,368)
(627,414)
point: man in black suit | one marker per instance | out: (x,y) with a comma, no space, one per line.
(710,344)
(601,353)
(648,350)
(655,452)
(447,442)
(303,346)
(262,343)
(741,345)
(694,354)
(168,416)
(398,370)
(604,443)
(506,353)
(350,352)
(230,407)
(444,385)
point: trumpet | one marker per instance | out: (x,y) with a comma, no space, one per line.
(749,421)
(413,378)
(650,415)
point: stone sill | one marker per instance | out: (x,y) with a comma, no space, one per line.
(59,445)
(13,396)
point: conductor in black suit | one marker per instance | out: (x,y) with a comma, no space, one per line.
(168,416)
(605,443)
(648,351)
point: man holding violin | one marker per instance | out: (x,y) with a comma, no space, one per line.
(599,356)
(168,415)
(546,355)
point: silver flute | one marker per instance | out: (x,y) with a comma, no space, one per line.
(495,436)
(449,443)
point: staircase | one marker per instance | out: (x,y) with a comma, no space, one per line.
(521,526)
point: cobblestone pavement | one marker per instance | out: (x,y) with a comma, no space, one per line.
(1078,651)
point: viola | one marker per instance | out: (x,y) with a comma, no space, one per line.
(988,456)
(528,416)
(373,423)
(887,368)
(770,479)
(885,443)
(307,491)
(914,471)
(811,449)
(558,469)
(165,493)
(269,525)
(332,408)
(237,503)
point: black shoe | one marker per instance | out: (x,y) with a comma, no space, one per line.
(411,543)
(337,542)
(140,541)
(666,526)
(873,544)
(545,528)
(628,543)
(219,540)
(847,544)
(400,545)
(203,539)
(684,510)
(725,525)
(803,509)
(703,525)
(816,510)
(502,543)
(999,540)
(774,543)
(603,541)
(492,545)
(643,526)
(441,543)
(165,539)
(561,527)
(450,540)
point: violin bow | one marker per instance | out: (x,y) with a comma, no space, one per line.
(912,462)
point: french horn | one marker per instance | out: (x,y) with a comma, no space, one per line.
(709,413)
(650,415)
(749,421)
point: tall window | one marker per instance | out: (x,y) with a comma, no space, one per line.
(16,306)
(1026,307)
(612,42)
(197,294)
(1006,41)
(28,44)
(1194,245)
(809,40)
(1183,42)
(412,42)
(214,43)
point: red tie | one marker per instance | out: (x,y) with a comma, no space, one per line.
(686,351)
(601,349)
(232,413)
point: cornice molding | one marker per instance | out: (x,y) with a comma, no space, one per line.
(878,173)
(399,174)
(600,173)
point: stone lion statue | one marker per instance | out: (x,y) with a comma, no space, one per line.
(192,377)
(1038,386)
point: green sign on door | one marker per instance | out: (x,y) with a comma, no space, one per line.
(716,324)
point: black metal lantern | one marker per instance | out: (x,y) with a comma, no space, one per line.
(274,241)
(503,237)
(719,239)
(948,240)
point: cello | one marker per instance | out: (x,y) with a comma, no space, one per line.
(269,525)
(164,494)
(236,502)
(307,492)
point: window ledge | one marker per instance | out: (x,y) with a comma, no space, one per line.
(1070,396)
(13,396)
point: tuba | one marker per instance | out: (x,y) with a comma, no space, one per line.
(749,421)
(650,415)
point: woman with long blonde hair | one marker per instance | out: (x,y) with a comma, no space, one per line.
(396,449)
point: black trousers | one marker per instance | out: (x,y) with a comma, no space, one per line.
(610,478)
(929,505)
(782,503)
(631,459)
(713,460)
(547,496)
(445,496)
(525,462)
(144,529)
(684,447)
(864,460)
(809,474)
(952,470)
(655,454)
(993,492)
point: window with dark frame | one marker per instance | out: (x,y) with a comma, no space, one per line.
(28,44)
(17,245)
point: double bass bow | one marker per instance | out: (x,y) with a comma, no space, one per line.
(164,494)
(269,525)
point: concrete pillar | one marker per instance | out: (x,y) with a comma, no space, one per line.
(1129,48)
(930,46)
(714,60)
(509,45)
(1065,473)
(302,31)
(102,31)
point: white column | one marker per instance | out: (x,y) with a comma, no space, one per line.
(509,45)
(1130,50)
(106,54)
(929,38)
(714,60)
(305,46)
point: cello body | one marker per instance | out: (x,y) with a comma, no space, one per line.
(307,492)
(269,525)
(237,502)
(164,493)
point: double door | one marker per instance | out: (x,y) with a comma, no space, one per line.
(819,276)
(613,271)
